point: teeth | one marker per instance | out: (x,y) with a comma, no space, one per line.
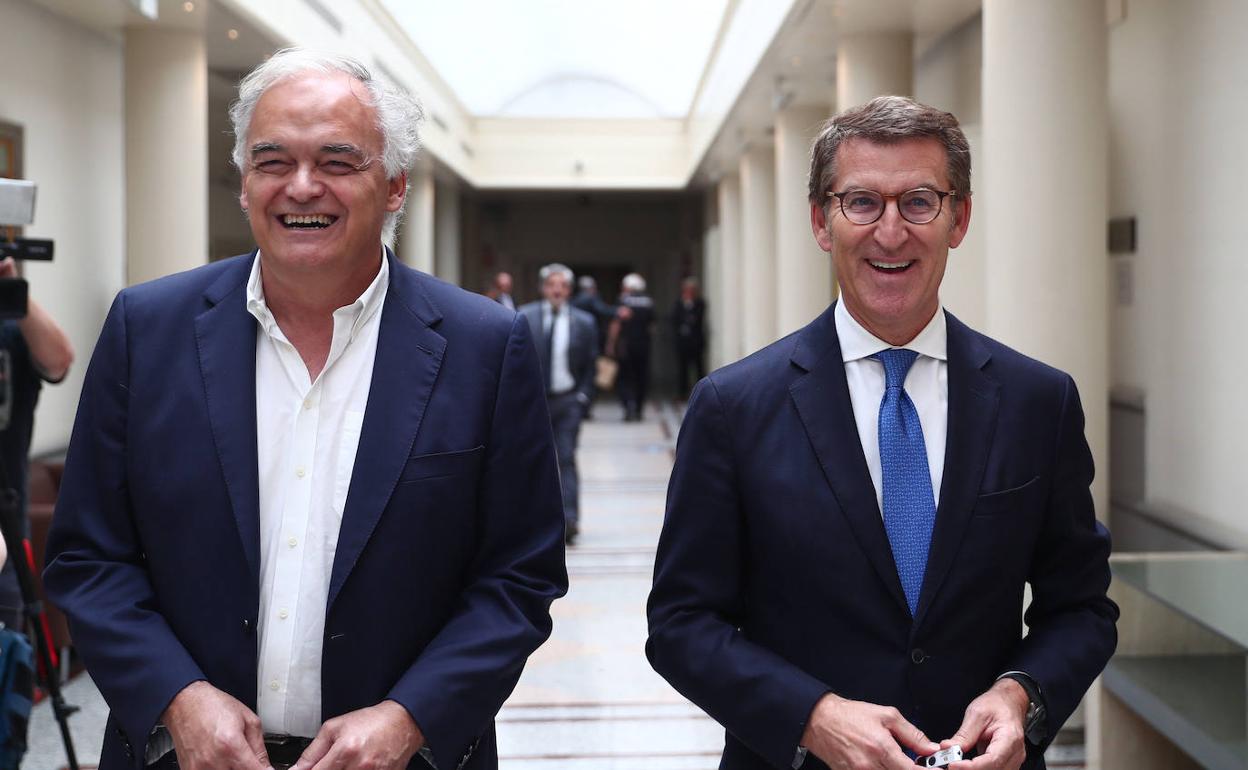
(308,219)
(891,265)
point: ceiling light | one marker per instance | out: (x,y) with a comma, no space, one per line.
(232,34)
(189,7)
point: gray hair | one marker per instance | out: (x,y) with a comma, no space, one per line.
(555,268)
(586,282)
(398,112)
(888,120)
(634,283)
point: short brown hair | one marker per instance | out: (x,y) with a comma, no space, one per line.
(886,120)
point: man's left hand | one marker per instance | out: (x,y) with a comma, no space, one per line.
(994,725)
(381,737)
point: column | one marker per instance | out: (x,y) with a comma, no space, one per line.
(446,234)
(803,271)
(758,248)
(726,343)
(166,81)
(1044,150)
(1046,143)
(416,241)
(871,65)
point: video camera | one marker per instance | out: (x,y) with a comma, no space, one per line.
(17,208)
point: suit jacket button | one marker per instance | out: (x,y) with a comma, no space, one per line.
(247,626)
(917,656)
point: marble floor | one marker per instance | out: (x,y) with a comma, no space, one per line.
(588,699)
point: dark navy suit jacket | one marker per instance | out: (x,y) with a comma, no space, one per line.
(582,344)
(450,550)
(775,582)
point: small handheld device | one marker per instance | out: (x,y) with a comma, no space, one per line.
(942,758)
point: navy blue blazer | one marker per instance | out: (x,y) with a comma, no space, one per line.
(582,344)
(451,545)
(774,581)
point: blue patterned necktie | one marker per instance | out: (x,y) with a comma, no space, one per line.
(909,505)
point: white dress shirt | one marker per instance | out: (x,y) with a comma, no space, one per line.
(308,433)
(927,384)
(561,379)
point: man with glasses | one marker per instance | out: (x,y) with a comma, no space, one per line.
(855,509)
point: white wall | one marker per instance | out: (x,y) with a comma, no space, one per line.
(63,83)
(1178,79)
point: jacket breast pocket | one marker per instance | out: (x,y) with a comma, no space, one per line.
(1015,500)
(442,464)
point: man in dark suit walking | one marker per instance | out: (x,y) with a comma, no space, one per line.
(310,509)
(689,328)
(855,509)
(568,344)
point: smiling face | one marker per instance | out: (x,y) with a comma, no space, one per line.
(314,187)
(890,270)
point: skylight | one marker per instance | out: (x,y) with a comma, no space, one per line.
(566,58)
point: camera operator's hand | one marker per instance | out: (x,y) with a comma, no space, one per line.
(50,349)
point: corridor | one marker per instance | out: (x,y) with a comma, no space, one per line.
(588,699)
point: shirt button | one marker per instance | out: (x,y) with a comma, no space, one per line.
(274,686)
(307,403)
(283,614)
(292,542)
(300,472)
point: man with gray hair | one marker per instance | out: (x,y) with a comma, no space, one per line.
(856,509)
(567,341)
(310,513)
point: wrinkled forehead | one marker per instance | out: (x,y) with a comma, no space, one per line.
(891,166)
(317,107)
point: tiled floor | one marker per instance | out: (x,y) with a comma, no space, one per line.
(588,700)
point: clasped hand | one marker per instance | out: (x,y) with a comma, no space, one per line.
(853,735)
(212,730)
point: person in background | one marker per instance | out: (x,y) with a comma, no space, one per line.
(632,346)
(689,334)
(588,300)
(568,347)
(33,350)
(502,290)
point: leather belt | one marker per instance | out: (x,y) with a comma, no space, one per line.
(284,750)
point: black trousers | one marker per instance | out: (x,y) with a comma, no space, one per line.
(633,383)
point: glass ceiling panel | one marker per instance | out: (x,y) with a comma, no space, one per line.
(566,58)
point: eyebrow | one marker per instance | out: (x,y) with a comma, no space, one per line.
(330,149)
(261,147)
(342,149)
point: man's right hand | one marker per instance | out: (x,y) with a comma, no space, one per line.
(852,735)
(212,730)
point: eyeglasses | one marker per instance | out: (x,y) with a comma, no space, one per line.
(918,206)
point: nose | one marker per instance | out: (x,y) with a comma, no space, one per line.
(890,229)
(303,184)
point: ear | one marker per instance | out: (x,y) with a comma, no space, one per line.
(242,193)
(396,191)
(962,220)
(819,226)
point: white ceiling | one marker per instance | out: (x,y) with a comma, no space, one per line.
(566,58)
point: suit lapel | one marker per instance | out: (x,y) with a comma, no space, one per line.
(225,336)
(972,420)
(409,355)
(822,400)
